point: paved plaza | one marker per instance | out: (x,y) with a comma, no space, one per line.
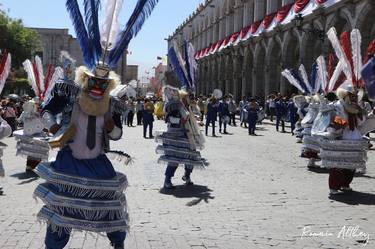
(256,193)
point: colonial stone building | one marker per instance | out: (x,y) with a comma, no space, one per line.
(55,40)
(243,45)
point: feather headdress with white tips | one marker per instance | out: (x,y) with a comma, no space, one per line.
(301,81)
(322,73)
(292,80)
(107,44)
(40,84)
(356,40)
(332,36)
(348,51)
(305,79)
(5,65)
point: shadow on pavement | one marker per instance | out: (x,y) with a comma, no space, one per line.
(27,177)
(319,170)
(355,198)
(201,193)
(363,176)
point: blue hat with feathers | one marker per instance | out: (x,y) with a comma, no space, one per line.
(103,46)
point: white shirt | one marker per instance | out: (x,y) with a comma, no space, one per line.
(79,147)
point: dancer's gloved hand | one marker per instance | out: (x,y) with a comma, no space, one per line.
(54,129)
(109,125)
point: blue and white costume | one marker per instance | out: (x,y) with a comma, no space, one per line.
(182,139)
(82,189)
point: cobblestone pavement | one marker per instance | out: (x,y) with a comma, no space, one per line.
(256,193)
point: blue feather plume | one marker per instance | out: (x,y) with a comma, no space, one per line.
(296,75)
(314,73)
(141,12)
(81,32)
(177,68)
(91,8)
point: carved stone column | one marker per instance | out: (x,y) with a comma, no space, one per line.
(267,82)
(246,73)
(254,86)
(228,74)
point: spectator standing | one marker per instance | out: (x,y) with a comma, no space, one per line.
(139,108)
(272,107)
(148,118)
(131,111)
(211,115)
(232,111)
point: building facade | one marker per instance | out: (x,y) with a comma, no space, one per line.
(55,40)
(131,73)
(243,45)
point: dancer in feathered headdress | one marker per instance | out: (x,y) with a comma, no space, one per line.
(83,191)
(183,137)
(5,129)
(32,139)
(308,108)
(343,149)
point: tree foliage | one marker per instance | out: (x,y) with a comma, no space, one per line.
(18,40)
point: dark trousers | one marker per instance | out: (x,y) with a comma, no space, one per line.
(279,121)
(293,125)
(139,117)
(252,119)
(150,125)
(202,115)
(340,178)
(171,169)
(130,118)
(272,113)
(221,123)
(56,241)
(232,119)
(208,122)
(12,123)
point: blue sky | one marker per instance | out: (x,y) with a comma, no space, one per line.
(149,43)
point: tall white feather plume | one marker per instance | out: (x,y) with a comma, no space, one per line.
(332,36)
(335,76)
(356,40)
(322,74)
(111,25)
(57,75)
(39,66)
(288,75)
(305,79)
(5,73)
(28,66)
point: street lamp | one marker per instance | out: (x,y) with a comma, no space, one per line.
(318,33)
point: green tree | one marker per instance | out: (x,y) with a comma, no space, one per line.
(18,40)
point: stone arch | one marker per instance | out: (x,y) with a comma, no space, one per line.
(273,67)
(311,47)
(259,71)
(247,69)
(224,9)
(228,73)
(291,59)
(365,24)
(340,20)
(238,58)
